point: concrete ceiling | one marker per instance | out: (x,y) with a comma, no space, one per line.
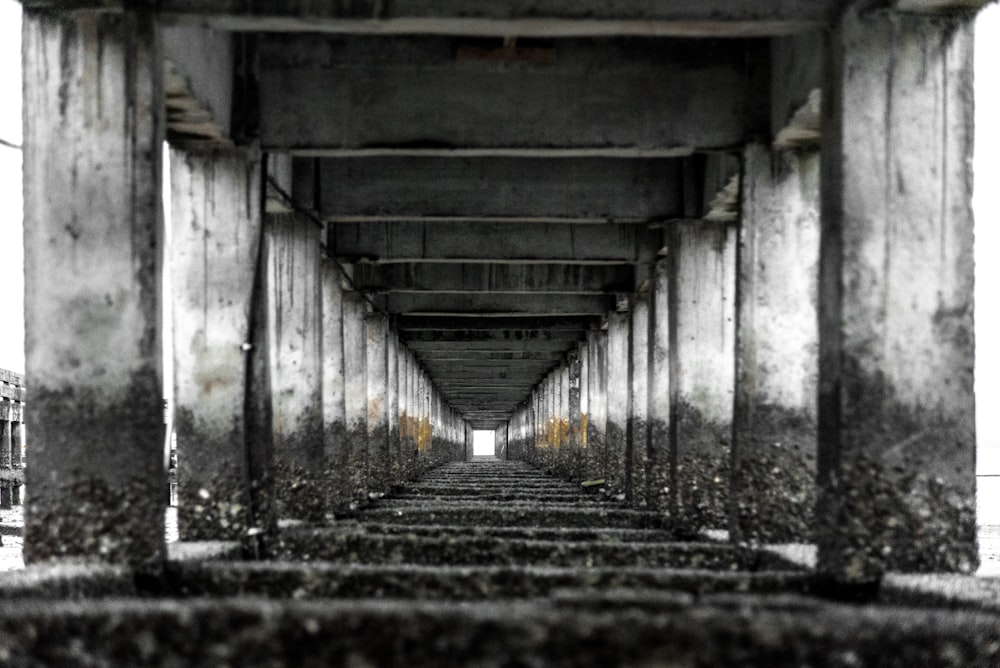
(496,173)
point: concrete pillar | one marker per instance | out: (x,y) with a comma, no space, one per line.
(773,479)
(93,136)
(377,367)
(618,383)
(292,290)
(896,404)
(355,393)
(638,420)
(335,448)
(216,223)
(597,404)
(702,328)
(575,384)
(659,389)
(392,399)
(412,406)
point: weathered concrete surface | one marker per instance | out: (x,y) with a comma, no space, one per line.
(597,405)
(458,240)
(618,381)
(659,389)
(540,18)
(414,92)
(292,285)
(638,415)
(773,477)
(507,188)
(376,373)
(356,393)
(701,288)
(93,135)
(335,448)
(896,409)
(215,244)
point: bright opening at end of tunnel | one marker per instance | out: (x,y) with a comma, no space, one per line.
(483,442)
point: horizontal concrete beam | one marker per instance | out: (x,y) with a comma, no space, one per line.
(496,243)
(357,189)
(438,323)
(456,338)
(475,277)
(485,302)
(621,98)
(431,356)
(527,345)
(530,18)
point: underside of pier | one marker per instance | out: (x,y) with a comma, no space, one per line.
(703,268)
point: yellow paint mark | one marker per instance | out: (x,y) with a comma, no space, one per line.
(583,430)
(425,432)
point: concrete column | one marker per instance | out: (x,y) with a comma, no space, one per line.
(93,136)
(702,328)
(773,479)
(575,383)
(216,224)
(412,407)
(335,447)
(618,383)
(392,399)
(377,366)
(659,389)
(896,408)
(597,404)
(638,419)
(355,393)
(425,430)
(294,352)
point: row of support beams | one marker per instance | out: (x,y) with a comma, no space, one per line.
(894,425)
(895,458)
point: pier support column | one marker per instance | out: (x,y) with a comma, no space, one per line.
(294,353)
(773,478)
(576,380)
(377,349)
(93,136)
(896,404)
(638,420)
(618,384)
(659,389)
(392,398)
(597,404)
(355,393)
(216,237)
(702,314)
(335,449)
